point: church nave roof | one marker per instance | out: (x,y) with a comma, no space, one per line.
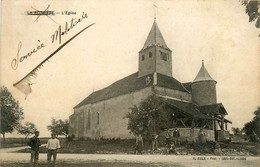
(131,84)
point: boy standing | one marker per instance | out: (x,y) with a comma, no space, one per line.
(34,143)
(53,145)
(176,136)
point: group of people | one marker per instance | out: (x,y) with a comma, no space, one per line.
(176,137)
(169,142)
(52,148)
(172,140)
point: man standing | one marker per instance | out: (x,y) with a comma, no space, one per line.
(34,143)
(201,136)
(155,141)
(139,144)
(53,145)
(168,138)
(176,136)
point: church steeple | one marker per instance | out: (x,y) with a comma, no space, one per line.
(155,37)
(155,55)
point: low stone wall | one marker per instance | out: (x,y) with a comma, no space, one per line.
(192,134)
(222,135)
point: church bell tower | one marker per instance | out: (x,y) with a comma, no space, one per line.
(155,56)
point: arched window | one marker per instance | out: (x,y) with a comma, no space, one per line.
(164,56)
(88,123)
(143,57)
(97,118)
(150,54)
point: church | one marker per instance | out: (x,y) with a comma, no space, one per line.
(101,114)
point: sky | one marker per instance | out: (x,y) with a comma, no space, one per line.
(217,31)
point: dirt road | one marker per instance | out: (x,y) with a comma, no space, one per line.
(7,155)
(182,160)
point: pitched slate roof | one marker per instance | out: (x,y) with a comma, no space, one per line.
(155,37)
(187,85)
(130,84)
(188,108)
(214,108)
(170,82)
(203,75)
(195,111)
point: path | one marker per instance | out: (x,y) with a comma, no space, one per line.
(184,160)
(181,160)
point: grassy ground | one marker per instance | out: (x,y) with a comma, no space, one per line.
(12,142)
(117,146)
(17,142)
(238,148)
(112,146)
(11,145)
(227,148)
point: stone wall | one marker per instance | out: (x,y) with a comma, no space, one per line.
(192,134)
(222,135)
(159,61)
(163,66)
(73,125)
(146,66)
(106,118)
(204,93)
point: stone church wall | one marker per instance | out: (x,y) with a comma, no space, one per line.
(106,118)
(146,62)
(163,61)
(73,125)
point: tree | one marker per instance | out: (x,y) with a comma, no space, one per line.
(59,127)
(11,112)
(252,128)
(150,117)
(27,129)
(252,9)
(236,131)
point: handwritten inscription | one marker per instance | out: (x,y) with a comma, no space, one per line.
(15,61)
(68,26)
(57,36)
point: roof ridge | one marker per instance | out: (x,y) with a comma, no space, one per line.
(129,84)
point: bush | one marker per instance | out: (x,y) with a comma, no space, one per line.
(71,137)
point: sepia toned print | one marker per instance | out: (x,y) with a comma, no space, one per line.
(130,83)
